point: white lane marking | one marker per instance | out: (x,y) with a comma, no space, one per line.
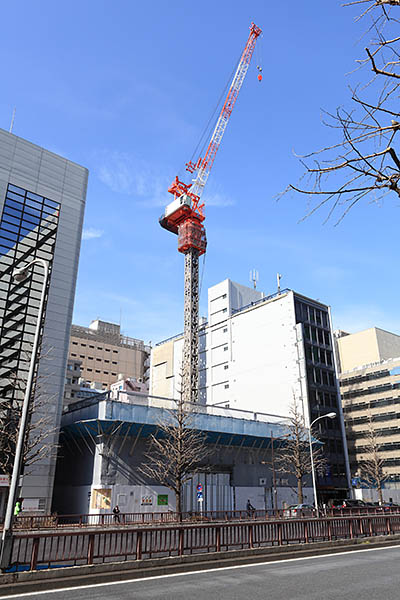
(256,564)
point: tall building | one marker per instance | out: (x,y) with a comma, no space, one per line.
(105,354)
(261,353)
(370,389)
(42,201)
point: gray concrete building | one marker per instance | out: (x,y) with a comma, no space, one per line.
(42,201)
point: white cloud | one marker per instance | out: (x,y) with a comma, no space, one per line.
(124,173)
(91,234)
(217,199)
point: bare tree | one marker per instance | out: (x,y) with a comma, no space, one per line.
(39,440)
(293,456)
(371,468)
(364,162)
(176,452)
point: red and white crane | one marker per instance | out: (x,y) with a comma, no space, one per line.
(184,216)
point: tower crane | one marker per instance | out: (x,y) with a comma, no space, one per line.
(184,216)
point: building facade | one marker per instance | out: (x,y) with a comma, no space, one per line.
(262,353)
(105,440)
(106,355)
(370,389)
(42,201)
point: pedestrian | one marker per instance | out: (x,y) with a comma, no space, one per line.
(18,507)
(116,512)
(250,508)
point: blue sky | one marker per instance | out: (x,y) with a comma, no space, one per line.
(125,89)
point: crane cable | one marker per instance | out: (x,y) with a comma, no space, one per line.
(204,139)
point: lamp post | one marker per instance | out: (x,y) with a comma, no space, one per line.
(19,276)
(331,415)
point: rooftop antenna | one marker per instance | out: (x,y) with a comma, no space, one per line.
(12,120)
(278,279)
(254,277)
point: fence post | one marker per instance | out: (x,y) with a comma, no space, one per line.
(218,539)
(139,535)
(280,534)
(306,531)
(370,526)
(250,527)
(351,528)
(388,525)
(90,549)
(180,546)
(34,555)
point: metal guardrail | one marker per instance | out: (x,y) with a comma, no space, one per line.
(69,548)
(153,518)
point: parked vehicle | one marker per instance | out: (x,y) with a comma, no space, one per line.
(387,507)
(351,503)
(299,510)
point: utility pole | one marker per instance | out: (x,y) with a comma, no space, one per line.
(274,490)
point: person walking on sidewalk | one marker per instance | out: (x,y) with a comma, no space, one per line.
(116,513)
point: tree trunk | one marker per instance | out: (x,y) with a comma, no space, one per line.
(178,498)
(299,490)
(380,494)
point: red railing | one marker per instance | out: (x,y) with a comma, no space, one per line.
(149,518)
(68,548)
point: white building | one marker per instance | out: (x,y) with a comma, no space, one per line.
(259,353)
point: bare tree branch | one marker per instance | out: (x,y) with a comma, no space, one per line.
(294,456)
(39,440)
(368,144)
(177,452)
(371,469)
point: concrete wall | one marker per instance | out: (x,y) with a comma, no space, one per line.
(366,347)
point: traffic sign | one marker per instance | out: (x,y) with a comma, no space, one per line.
(199,495)
(199,487)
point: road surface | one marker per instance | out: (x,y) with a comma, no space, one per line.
(360,575)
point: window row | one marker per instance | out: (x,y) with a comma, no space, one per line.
(83,345)
(305,312)
(319,376)
(366,377)
(319,355)
(316,335)
(371,390)
(372,404)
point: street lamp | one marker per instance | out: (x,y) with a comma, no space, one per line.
(19,276)
(331,415)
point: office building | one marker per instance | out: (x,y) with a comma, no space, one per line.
(261,353)
(370,389)
(106,355)
(42,201)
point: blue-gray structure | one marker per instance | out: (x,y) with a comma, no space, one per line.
(42,200)
(104,443)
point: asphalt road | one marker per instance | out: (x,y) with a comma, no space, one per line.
(361,575)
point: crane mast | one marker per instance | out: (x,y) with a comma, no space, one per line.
(184,216)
